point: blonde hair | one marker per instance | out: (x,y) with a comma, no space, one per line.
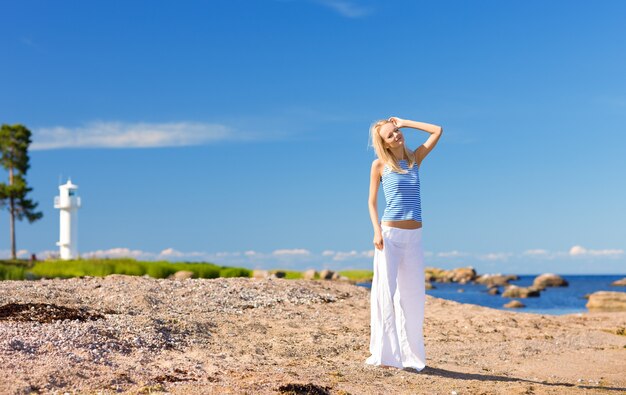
(384,153)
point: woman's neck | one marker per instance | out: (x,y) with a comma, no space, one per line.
(398,153)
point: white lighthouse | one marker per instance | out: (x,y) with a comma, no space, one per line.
(68,203)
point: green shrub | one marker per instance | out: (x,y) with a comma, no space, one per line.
(292,274)
(100,267)
(358,275)
(205,270)
(12,272)
(234,272)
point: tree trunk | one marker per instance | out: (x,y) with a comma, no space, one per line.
(12,217)
(12,221)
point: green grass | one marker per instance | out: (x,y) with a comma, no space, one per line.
(358,275)
(105,267)
(24,269)
(291,274)
(12,272)
(15,262)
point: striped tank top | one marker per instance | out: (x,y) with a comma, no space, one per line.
(402,193)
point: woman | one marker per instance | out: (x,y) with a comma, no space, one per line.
(398,289)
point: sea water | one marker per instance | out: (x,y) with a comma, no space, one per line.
(553,300)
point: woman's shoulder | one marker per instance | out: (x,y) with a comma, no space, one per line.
(378,163)
(378,166)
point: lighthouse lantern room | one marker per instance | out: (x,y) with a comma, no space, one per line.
(68,204)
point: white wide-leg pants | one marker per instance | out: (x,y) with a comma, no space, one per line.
(397,301)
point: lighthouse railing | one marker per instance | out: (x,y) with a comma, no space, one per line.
(73,201)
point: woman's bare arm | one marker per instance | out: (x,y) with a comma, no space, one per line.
(435,133)
(373,203)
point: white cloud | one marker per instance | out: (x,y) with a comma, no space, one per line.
(495,256)
(132,135)
(20,254)
(535,252)
(227,253)
(451,254)
(296,251)
(170,252)
(579,251)
(348,255)
(119,253)
(345,8)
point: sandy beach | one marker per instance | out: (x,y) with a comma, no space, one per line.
(237,335)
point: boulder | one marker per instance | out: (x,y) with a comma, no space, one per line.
(326,274)
(436,274)
(514,304)
(462,275)
(309,274)
(182,275)
(428,276)
(513,291)
(495,279)
(429,285)
(260,274)
(335,276)
(607,301)
(279,274)
(493,290)
(621,282)
(344,279)
(549,280)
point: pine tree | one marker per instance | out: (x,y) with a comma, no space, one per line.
(14,142)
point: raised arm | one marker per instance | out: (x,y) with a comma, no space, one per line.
(373,202)
(423,150)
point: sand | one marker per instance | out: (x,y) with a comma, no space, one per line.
(142,335)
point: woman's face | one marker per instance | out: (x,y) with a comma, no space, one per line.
(391,135)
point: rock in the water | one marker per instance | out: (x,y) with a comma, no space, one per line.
(429,285)
(549,280)
(607,301)
(182,275)
(621,282)
(513,291)
(309,274)
(326,274)
(260,274)
(436,274)
(495,279)
(462,275)
(493,290)
(515,304)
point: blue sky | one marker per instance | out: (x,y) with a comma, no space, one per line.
(236,131)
